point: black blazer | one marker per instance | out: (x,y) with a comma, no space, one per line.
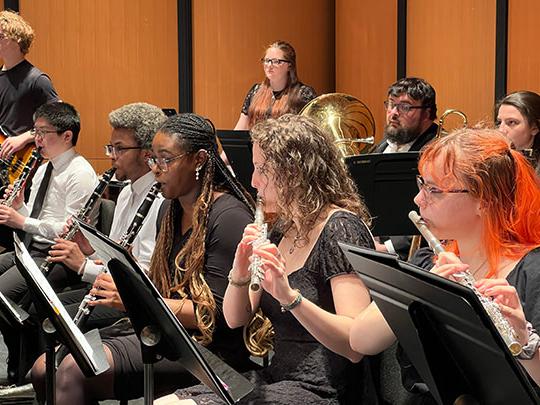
(423,139)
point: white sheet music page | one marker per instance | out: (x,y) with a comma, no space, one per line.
(48,292)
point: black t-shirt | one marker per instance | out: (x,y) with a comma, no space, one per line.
(306,94)
(23,89)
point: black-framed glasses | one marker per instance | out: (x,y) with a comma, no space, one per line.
(161,162)
(111,150)
(273,61)
(403,108)
(432,190)
(41,132)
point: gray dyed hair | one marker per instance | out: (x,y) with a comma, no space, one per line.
(143,118)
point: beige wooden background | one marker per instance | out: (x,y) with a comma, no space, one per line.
(105,53)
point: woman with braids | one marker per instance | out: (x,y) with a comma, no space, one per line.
(309,292)
(194,252)
(281,91)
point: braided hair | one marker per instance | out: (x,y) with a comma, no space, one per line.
(193,133)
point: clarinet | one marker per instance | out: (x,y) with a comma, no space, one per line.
(255,268)
(34,160)
(84,311)
(466,279)
(84,213)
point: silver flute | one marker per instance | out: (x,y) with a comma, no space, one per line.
(255,268)
(466,279)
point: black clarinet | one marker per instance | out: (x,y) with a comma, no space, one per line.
(84,311)
(84,213)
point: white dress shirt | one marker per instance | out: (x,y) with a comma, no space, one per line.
(128,203)
(72,182)
(395,148)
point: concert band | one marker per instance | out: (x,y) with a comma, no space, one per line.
(262,284)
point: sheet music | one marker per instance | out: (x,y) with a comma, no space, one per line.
(48,292)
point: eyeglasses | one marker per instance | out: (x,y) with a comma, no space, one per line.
(403,108)
(430,191)
(41,132)
(273,62)
(111,150)
(162,163)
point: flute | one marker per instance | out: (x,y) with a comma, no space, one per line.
(255,268)
(466,279)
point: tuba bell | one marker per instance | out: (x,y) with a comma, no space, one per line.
(346,118)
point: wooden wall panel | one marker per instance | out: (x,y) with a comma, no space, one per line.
(230,36)
(451,44)
(102,54)
(366,38)
(523,58)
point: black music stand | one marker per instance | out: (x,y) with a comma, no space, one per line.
(158,329)
(237,147)
(445,331)
(387,181)
(16,317)
(87,349)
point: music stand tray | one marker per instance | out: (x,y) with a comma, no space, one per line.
(159,330)
(387,181)
(237,147)
(445,331)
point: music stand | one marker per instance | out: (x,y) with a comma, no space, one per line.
(445,331)
(87,349)
(387,181)
(237,147)
(158,329)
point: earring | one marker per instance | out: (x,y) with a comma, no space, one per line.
(197,170)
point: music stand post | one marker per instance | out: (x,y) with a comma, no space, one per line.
(15,317)
(445,331)
(159,330)
(87,349)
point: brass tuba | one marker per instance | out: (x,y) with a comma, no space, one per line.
(346,118)
(441,131)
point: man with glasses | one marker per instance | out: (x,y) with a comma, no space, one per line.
(23,87)
(59,189)
(133,128)
(410,110)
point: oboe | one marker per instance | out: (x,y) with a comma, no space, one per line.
(255,268)
(466,279)
(84,213)
(84,311)
(34,160)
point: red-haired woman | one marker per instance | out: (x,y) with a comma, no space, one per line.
(484,197)
(281,91)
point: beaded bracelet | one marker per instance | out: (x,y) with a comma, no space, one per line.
(293,304)
(241,283)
